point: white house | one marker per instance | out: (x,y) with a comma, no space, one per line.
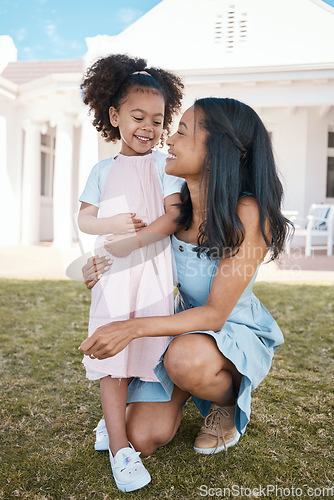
(275,56)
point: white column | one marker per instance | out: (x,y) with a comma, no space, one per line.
(31,186)
(88,151)
(6,191)
(62,185)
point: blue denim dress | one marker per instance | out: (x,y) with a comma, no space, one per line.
(248,338)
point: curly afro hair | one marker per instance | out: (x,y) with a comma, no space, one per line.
(108,81)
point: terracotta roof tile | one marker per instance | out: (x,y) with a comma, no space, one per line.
(27,71)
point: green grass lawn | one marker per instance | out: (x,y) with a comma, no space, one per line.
(49,409)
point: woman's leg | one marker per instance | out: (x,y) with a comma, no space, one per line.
(195,364)
(113,397)
(154,424)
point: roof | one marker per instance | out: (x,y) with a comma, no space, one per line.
(27,71)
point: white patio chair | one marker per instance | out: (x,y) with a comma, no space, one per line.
(319,222)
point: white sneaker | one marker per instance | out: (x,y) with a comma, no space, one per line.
(128,469)
(102,438)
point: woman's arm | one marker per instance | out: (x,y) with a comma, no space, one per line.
(164,226)
(118,224)
(232,277)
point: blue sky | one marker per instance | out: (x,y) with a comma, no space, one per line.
(49,29)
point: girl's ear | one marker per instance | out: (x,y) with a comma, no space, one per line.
(113,116)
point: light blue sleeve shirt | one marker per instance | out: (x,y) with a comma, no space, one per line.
(169,183)
(97,178)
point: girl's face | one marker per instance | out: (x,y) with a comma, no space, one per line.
(140,121)
(187,148)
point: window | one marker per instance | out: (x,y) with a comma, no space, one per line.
(48,142)
(330,166)
(230,28)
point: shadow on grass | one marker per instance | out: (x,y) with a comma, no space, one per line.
(48,408)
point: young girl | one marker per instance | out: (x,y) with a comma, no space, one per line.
(131,199)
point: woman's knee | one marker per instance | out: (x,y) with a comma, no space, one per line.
(148,440)
(187,362)
(146,447)
(152,425)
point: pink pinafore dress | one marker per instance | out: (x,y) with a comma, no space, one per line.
(139,285)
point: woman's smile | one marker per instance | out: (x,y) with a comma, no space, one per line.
(171,156)
(187,147)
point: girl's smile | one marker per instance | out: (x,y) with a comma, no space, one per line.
(143,140)
(140,121)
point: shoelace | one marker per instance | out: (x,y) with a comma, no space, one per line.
(213,422)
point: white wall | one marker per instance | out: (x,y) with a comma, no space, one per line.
(180,34)
(10,174)
(316,158)
(8,51)
(290,143)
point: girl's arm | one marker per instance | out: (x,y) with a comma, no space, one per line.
(118,224)
(164,226)
(232,277)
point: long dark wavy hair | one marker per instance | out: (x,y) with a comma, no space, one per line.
(239,161)
(110,79)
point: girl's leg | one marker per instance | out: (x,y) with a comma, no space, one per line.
(151,425)
(195,364)
(113,397)
(127,468)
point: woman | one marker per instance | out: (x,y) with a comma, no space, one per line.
(224,339)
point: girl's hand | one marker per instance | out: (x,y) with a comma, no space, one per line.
(125,223)
(109,340)
(121,245)
(94,269)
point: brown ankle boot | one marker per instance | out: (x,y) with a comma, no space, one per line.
(218,431)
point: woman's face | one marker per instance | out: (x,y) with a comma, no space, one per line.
(187,148)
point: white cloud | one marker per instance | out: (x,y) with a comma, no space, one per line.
(50,30)
(74,44)
(21,34)
(127,15)
(52,33)
(30,53)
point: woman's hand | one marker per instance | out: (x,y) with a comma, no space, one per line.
(94,269)
(110,339)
